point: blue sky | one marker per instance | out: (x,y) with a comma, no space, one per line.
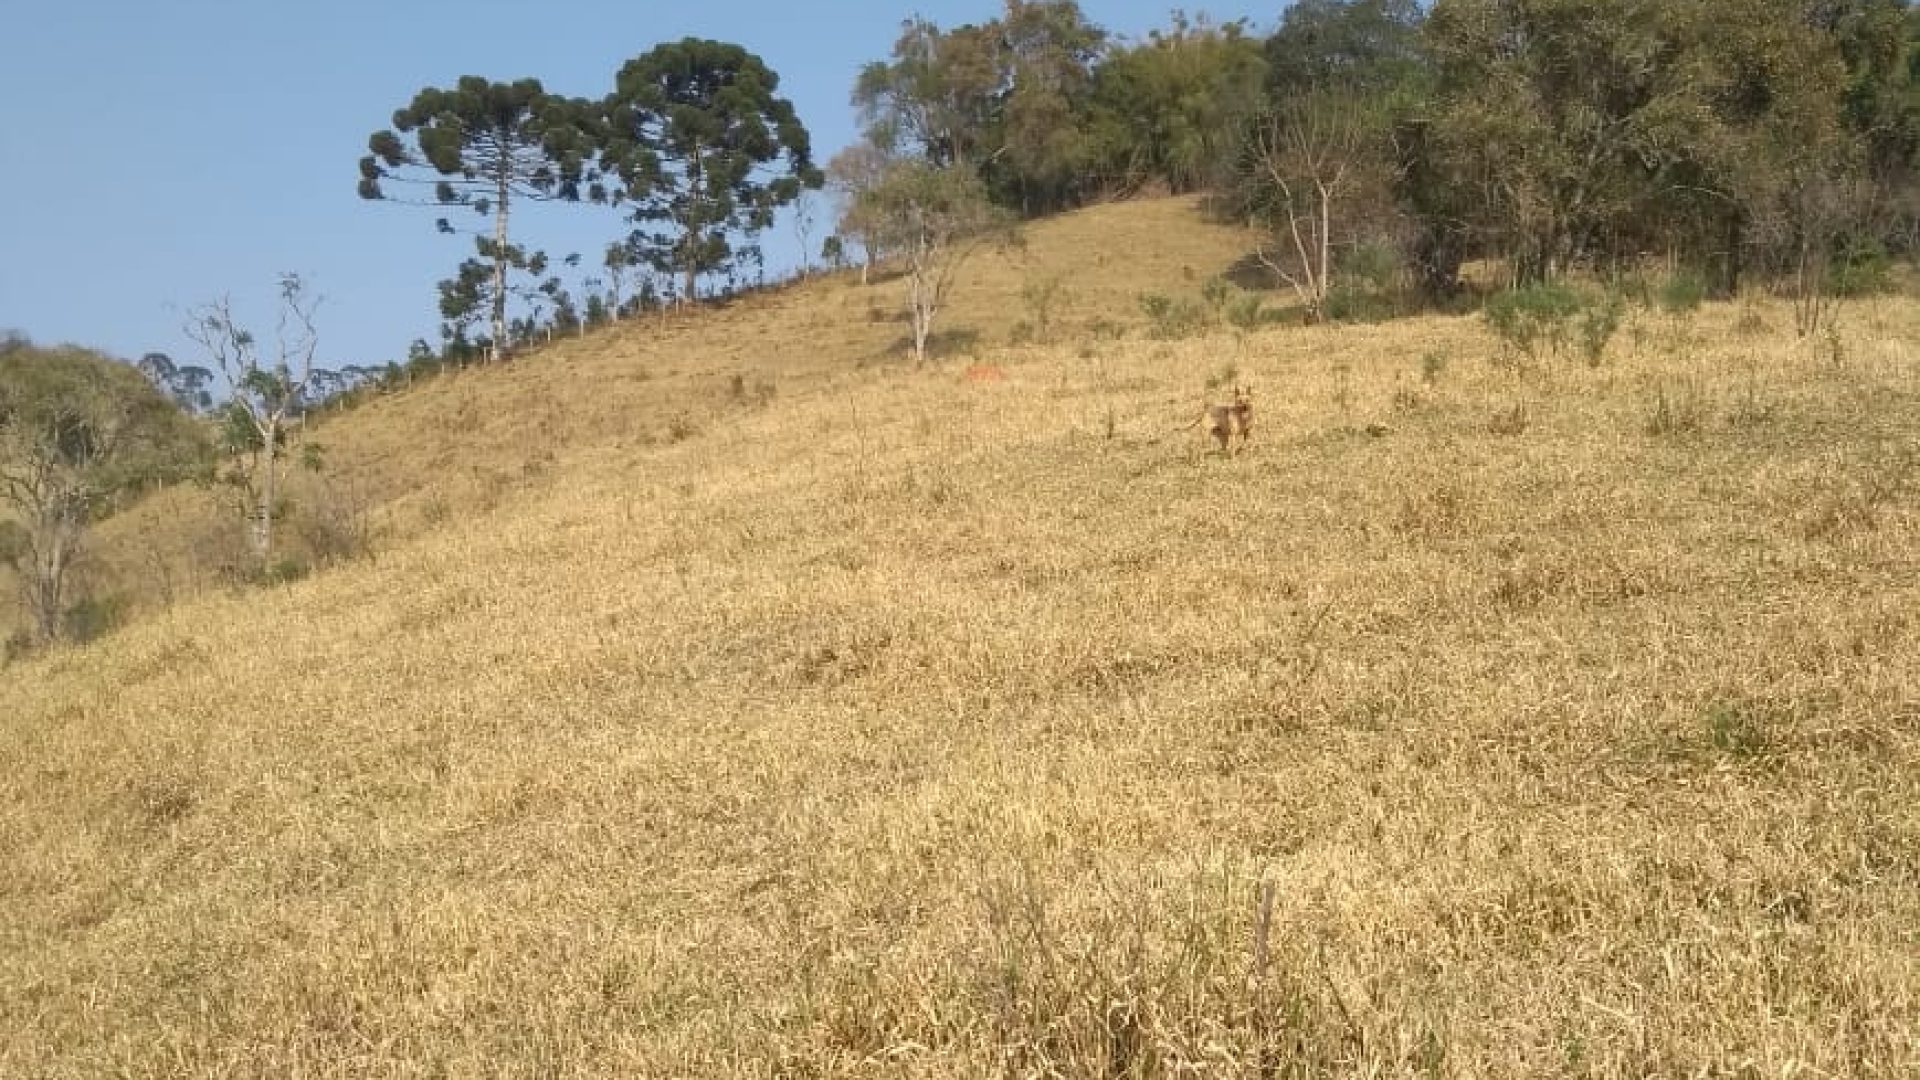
(155,155)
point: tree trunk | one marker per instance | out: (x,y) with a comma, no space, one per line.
(46,591)
(922,324)
(920,297)
(501,194)
(1324,286)
(689,248)
(262,537)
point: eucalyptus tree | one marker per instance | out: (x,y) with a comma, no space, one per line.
(1008,98)
(186,384)
(938,95)
(697,143)
(852,173)
(484,146)
(933,218)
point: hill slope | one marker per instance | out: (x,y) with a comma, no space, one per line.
(466,442)
(1477,722)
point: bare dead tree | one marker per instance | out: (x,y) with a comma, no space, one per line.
(266,395)
(1307,157)
(1820,209)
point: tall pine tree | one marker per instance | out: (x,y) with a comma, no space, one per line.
(483,145)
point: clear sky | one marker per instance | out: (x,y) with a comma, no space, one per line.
(156,154)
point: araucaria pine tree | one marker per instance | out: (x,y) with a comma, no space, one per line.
(483,145)
(695,138)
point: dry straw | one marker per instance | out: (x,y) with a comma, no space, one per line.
(896,724)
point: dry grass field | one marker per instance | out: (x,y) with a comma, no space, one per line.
(1482,719)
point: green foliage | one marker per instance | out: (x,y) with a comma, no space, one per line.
(1244,311)
(1680,292)
(1042,297)
(937,96)
(1529,318)
(483,146)
(1599,320)
(1372,265)
(1359,46)
(78,433)
(94,616)
(1005,98)
(1861,267)
(88,428)
(16,544)
(1170,110)
(1215,291)
(699,146)
(1172,317)
(936,217)
(480,137)
(1554,317)
(1630,127)
(1353,302)
(1046,51)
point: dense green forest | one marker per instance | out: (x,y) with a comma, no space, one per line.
(1381,143)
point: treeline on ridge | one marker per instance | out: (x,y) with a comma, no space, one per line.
(1384,138)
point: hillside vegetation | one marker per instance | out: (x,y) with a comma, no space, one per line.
(468,441)
(1488,717)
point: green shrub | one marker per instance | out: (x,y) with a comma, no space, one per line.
(1372,266)
(1533,316)
(1597,325)
(1860,268)
(1216,291)
(94,617)
(1245,311)
(1682,291)
(1353,301)
(1043,298)
(1172,317)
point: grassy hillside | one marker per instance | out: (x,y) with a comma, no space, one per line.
(1477,721)
(468,442)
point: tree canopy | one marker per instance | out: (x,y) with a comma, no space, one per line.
(482,145)
(695,138)
(1735,136)
(78,431)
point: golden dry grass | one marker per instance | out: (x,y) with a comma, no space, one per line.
(1568,718)
(471,441)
